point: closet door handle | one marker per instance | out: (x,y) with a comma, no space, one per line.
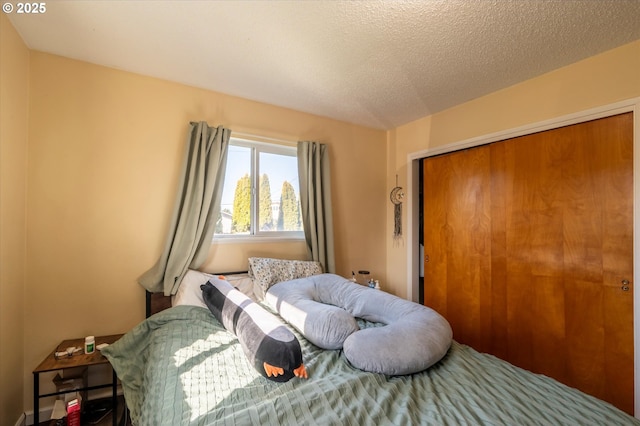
(625,285)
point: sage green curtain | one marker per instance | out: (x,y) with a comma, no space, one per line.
(315,199)
(195,210)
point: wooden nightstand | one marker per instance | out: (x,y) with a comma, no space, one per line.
(50,363)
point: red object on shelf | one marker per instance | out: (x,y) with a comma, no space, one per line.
(73,412)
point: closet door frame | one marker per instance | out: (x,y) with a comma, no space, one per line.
(413,163)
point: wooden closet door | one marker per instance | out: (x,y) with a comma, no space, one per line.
(457,218)
(560,233)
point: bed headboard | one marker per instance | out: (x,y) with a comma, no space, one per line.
(156,302)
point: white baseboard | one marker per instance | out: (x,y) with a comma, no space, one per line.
(45,415)
(21,420)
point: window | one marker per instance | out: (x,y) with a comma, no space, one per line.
(261,196)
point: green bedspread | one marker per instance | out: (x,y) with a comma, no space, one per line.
(180,367)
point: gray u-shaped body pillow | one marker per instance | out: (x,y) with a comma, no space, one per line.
(323,308)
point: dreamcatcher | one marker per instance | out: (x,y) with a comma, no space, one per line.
(396,196)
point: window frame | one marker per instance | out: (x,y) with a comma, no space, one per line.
(256,235)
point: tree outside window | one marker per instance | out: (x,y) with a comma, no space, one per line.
(249,207)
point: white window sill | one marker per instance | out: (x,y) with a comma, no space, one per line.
(250,239)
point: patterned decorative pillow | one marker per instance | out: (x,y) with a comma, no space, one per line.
(267,272)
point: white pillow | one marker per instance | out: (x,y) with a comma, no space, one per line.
(244,283)
(190,293)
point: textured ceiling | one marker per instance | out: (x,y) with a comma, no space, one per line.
(375,63)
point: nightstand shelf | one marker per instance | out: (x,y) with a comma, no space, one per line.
(50,363)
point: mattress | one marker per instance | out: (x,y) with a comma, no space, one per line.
(181,367)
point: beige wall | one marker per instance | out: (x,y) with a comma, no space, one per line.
(14,91)
(229,257)
(597,81)
(105,149)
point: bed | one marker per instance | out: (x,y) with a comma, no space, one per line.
(188,370)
